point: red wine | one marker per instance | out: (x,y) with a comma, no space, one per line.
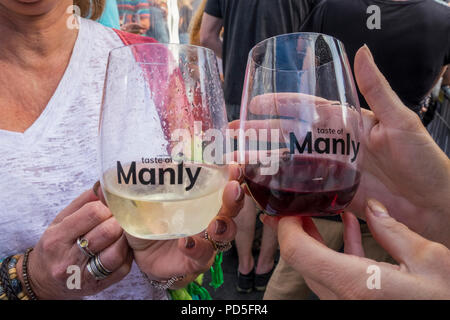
(304,186)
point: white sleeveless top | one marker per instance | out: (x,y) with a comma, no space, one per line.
(55,160)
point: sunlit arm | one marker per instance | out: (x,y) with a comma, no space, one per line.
(210,33)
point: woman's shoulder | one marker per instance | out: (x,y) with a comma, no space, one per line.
(110,37)
(99,34)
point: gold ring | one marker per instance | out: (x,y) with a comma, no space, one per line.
(217,245)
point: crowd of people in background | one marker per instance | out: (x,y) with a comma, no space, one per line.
(163,20)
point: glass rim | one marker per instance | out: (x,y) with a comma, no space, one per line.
(286,35)
(180,45)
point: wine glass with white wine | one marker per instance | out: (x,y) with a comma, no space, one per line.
(161,130)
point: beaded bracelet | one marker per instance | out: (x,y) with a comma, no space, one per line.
(2,289)
(8,276)
(4,278)
(25,275)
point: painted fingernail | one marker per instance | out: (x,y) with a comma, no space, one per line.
(377,208)
(241,174)
(95,188)
(221,227)
(369,52)
(262,217)
(239,194)
(189,243)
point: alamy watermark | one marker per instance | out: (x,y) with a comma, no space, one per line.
(260,146)
(374,20)
(74,280)
(374,280)
(72,21)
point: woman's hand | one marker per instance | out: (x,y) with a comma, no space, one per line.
(88,218)
(422,272)
(162,260)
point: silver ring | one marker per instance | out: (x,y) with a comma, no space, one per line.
(217,245)
(164,284)
(83,244)
(100,265)
(96,268)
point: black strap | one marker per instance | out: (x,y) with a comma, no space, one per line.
(4,277)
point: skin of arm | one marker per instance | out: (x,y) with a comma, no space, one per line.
(210,33)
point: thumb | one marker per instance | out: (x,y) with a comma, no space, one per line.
(383,101)
(399,241)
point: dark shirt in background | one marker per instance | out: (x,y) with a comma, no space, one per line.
(248,22)
(410,49)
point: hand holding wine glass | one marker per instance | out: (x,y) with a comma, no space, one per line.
(191,256)
(164,176)
(402,166)
(300,126)
(162,115)
(407,170)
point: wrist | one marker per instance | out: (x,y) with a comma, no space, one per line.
(32,277)
(20,271)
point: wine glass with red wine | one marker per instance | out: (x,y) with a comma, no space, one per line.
(300,127)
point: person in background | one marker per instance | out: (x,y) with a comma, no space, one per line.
(412,55)
(196,23)
(110,16)
(186,13)
(158,28)
(134,15)
(194,31)
(246,23)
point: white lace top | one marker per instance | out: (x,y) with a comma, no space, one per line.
(43,169)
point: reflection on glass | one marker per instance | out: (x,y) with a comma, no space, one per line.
(164,20)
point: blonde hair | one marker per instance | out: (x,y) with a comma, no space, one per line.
(196,23)
(91,8)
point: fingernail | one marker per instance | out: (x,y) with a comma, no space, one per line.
(95,188)
(221,227)
(377,208)
(262,217)
(189,243)
(239,193)
(369,52)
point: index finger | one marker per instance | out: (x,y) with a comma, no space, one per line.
(291,104)
(235,172)
(288,110)
(284,102)
(335,271)
(232,200)
(75,205)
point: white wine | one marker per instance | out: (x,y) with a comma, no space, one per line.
(166,201)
